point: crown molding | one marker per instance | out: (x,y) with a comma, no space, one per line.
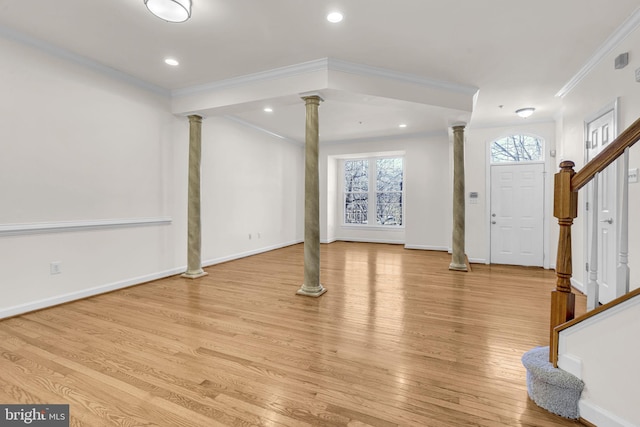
(65,54)
(261,129)
(276,73)
(389,137)
(365,70)
(327,64)
(627,27)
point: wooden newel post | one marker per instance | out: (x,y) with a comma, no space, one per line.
(565,208)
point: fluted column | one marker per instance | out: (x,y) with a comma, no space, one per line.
(458,259)
(311,286)
(194,262)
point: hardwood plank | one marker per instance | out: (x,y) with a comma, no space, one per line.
(398,340)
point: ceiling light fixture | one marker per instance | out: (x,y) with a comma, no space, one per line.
(334,17)
(525,112)
(268,110)
(170,10)
(172,62)
(402,125)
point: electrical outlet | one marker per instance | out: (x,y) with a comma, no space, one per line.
(55,267)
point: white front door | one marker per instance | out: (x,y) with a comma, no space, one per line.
(517,206)
(600,132)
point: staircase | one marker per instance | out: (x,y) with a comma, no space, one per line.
(592,351)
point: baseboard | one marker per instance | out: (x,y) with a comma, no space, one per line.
(427,248)
(478,260)
(214,261)
(86,293)
(600,417)
(578,285)
(367,240)
(570,364)
(327,241)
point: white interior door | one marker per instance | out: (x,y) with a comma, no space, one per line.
(600,132)
(517,207)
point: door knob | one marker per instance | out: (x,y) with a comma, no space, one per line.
(609,221)
(493,222)
(493,215)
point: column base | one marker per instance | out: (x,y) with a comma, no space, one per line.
(458,267)
(195,275)
(315,292)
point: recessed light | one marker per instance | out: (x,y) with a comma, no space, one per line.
(268,110)
(171,61)
(334,17)
(402,125)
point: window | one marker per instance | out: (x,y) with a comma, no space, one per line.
(517,148)
(374,188)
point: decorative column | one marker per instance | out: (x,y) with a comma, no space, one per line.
(458,259)
(311,286)
(194,262)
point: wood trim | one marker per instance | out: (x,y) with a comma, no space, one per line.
(630,136)
(586,423)
(65,226)
(587,315)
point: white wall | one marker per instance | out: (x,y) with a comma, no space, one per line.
(477,172)
(427,199)
(253,188)
(602,351)
(78,146)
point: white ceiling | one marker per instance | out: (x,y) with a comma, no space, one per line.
(517,53)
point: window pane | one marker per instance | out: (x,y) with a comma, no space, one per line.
(517,148)
(389,208)
(356,175)
(356,206)
(389,174)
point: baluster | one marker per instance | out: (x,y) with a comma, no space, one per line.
(565,208)
(622,271)
(592,287)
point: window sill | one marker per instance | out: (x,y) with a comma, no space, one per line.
(372,227)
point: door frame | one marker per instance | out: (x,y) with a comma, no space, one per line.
(612,106)
(547,211)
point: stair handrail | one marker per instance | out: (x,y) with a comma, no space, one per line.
(626,139)
(565,207)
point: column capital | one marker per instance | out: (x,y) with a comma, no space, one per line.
(458,125)
(194,118)
(310,96)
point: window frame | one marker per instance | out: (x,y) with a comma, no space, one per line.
(372,192)
(542,158)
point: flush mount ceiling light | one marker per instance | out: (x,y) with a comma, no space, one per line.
(172,62)
(334,17)
(525,112)
(267,110)
(402,125)
(170,10)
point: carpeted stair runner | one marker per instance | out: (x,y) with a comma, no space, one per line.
(551,388)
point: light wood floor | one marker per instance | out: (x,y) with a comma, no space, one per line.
(398,339)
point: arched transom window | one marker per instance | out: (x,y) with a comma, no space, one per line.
(517,148)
